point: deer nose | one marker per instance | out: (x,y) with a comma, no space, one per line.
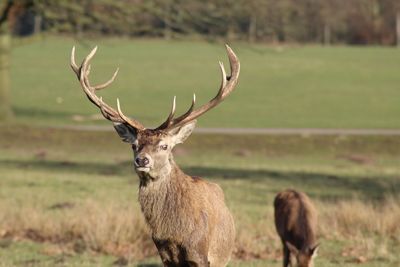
(142,162)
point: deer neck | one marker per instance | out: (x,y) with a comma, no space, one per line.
(160,198)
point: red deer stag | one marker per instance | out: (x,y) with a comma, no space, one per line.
(296,224)
(187,216)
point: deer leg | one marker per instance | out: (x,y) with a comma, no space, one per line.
(199,262)
(196,255)
(286,256)
(166,252)
(197,258)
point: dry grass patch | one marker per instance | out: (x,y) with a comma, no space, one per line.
(110,229)
(369,229)
(353,219)
(121,231)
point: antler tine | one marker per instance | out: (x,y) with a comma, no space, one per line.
(188,112)
(228,84)
(125,118)
(104,85)
(86,68)
(108,112)
(74,67)
(168,121)
(223,78)
(235,70)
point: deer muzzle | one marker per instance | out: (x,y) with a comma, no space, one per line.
(143,162)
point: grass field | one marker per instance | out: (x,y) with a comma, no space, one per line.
(68,198)
(312,86)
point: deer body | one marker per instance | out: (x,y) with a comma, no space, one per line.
(296,224)
(189,221)
(188,218)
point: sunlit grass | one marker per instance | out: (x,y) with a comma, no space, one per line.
(312,86)
(70,197)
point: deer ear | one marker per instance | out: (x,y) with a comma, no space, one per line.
(126,132)
(314,250)
(180,134)
(292,248)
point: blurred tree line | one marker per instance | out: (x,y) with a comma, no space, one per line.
(300,21)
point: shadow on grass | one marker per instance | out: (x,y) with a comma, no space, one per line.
(106,169)
(328,186)
(325,186)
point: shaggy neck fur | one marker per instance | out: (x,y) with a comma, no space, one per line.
(163,199)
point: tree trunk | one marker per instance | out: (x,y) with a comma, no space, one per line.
(230,32)
(398,28)
(252,28)
(167,21)
(37,26)
(327,34)
(5,101)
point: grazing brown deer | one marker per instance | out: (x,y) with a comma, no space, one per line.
(188,218)
(296,224)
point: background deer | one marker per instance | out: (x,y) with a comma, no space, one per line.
(188,218)
(296,224)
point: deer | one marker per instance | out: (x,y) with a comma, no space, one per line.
(190,223)
(296,224)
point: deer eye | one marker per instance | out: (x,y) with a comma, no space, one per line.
(164,147)
(134,146)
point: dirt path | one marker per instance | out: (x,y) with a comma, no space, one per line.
(265,131)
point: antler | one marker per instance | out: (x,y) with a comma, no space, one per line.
(108,112)
(227,86)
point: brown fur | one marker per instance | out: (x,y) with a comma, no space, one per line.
(296,224)
(188,218)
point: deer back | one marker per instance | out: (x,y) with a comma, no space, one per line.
(295,218)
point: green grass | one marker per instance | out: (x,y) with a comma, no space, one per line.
(40,168)
(312,86)
(332,87)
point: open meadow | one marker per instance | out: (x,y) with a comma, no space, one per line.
(287,86)
(69,197)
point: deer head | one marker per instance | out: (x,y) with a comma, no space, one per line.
(152,147)
(303,257)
